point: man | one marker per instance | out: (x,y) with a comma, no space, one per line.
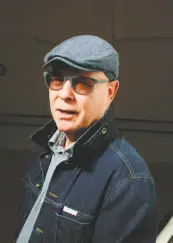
(90,185)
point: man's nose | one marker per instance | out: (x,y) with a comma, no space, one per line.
(67,91)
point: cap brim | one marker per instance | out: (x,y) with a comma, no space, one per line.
(68,62)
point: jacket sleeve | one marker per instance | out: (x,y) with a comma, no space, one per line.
(129,214)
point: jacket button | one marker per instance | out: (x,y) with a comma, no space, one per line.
(26,215)
(104,130)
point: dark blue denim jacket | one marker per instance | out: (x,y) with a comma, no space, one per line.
(103,194)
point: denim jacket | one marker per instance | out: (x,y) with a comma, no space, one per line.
(104,193)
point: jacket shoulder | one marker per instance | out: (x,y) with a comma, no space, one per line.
(122,158)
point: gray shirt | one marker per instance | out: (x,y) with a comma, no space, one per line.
(56,144)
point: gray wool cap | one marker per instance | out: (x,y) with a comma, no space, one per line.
(88,53)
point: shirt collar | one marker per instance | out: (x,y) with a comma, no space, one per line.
(56,144)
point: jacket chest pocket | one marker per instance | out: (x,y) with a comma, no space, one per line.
(73,226)
(57,223)
(62,224)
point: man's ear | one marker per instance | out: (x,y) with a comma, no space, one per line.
(112,89)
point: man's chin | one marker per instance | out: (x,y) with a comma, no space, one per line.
(67,128)
(71,130)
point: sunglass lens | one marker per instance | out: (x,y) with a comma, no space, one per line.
(53,82)
(83,85)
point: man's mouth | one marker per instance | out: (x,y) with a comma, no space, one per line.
(70,112)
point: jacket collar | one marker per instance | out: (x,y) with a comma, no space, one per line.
(94,137)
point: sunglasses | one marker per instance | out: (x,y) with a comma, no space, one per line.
(80,84)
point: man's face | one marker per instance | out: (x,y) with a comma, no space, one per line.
(73,112)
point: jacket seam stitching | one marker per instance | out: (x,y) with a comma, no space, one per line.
(31,186)
(80,223)
(127,162)
(121,155)
(123,183)
(78,233)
